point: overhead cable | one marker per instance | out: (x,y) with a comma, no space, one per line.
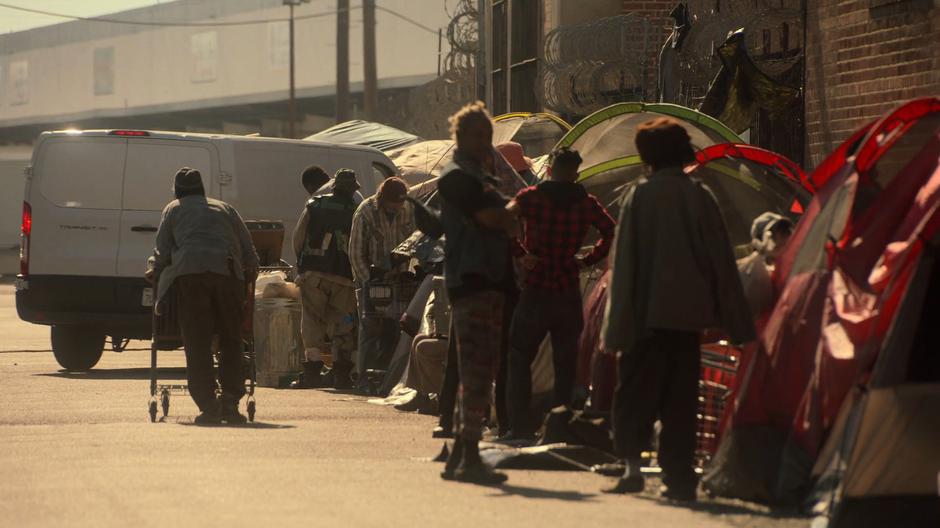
(109,20)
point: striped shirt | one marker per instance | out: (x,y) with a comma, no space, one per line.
(374,235)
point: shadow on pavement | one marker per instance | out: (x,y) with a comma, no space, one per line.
(249,425)
(719,507)
(163,373)
(539,493)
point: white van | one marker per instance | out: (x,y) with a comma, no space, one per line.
(92,206)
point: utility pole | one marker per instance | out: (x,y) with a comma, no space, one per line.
(370,88)
(342,61)
(291,103)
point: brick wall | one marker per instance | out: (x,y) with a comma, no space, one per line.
(657,11)
(864,57)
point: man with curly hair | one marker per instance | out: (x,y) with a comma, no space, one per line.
(479,277)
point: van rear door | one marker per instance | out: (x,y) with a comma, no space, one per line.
(148,188)
(76,203)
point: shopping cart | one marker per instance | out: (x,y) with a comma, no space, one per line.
(167,336)
(387,301)
(719,367)
(268,238)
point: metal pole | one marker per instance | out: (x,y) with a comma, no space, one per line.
(370,89)
(291,110)
(508,72)
(440,37)
(342,61)
(483,85)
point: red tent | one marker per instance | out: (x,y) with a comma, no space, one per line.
(837,302)
(879,464)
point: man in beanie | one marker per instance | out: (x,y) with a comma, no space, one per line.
(380,224)
(673,276)
(205,250)
(327,293)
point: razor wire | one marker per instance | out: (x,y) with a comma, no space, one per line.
(591,65)
(463,39)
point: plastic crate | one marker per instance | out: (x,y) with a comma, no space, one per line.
(268,239)
(389,299)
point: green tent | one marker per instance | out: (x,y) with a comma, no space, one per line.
(605,140)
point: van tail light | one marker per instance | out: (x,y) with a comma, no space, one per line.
(135,133)
(26,229)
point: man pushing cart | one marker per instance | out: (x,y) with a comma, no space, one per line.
(205,254)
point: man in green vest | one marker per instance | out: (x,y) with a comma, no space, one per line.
(327,293)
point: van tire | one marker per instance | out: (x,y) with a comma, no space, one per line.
(77,348)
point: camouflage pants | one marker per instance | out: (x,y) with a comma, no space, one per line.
(478,322)
(328,311)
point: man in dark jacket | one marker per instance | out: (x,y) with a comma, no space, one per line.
(205,251)
(673,275)
(478,275)
(556,216)
(327,293)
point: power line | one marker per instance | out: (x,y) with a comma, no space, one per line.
(160,24)
(109,20)
(406,19)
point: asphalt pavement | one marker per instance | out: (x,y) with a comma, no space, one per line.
(80,450)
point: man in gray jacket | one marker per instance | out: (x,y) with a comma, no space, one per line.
(204,249)
(674,275)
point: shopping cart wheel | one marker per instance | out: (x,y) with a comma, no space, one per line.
(251,411)
(153,410)
(165,402)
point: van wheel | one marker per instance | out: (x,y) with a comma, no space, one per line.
(77,348)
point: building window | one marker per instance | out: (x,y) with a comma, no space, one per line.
(279,44)
(19,82)
(516,40)
(205,54)
(104,71)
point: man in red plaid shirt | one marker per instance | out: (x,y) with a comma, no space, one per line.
(557,214)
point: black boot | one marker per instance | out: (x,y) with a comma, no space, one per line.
(341,370)
(209,416)
(473,470)
(310,377)
(228,411)
(453,461)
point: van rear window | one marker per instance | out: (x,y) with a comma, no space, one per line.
(84,174)
(151,167)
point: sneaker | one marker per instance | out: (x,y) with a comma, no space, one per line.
(443,431)
(679,493)
(514,438)
(411,405)
(311,377)
(428,406)
(631,484)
